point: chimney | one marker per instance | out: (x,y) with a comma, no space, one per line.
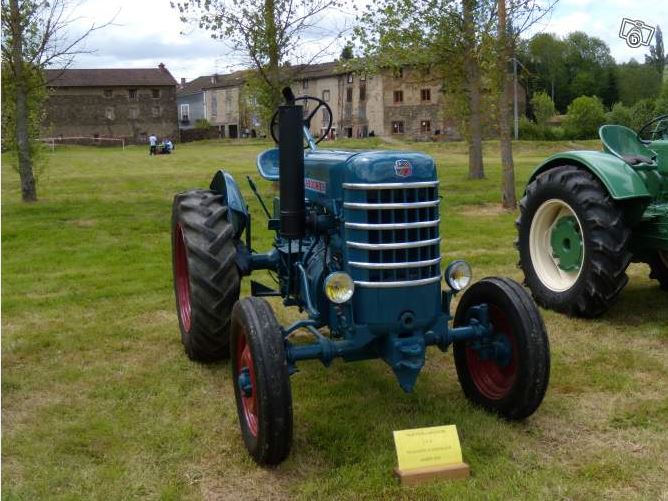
(214,78)
(161,66)
(183,81)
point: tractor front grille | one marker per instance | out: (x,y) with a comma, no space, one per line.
(391,233)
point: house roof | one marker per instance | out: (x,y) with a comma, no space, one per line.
(212,82)
(239,77)
(110,77)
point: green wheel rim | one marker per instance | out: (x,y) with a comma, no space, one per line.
(566,243)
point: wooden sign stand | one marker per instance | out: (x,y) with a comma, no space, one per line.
(418,476)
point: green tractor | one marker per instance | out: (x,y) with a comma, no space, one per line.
(586,215)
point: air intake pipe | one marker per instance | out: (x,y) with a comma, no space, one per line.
(291,167)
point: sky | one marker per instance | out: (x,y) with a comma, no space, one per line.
(145,33)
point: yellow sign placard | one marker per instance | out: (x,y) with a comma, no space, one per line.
(427,447)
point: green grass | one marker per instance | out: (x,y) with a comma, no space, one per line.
(100,402)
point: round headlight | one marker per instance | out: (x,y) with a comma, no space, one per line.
(339,287)
(458,275)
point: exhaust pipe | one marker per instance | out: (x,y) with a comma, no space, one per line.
(291,167)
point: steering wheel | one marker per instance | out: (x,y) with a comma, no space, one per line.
(308,116)
(659,132)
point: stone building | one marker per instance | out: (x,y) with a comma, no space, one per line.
(407,103)
(114,103)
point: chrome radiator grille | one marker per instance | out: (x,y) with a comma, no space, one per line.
(392,233)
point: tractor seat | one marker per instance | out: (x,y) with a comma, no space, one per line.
(623,143)
(267,164)
(636,159)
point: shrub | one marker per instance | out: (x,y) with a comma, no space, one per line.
(543,108)
(661,105)
(641,113)
(619,115)
(528,129)
(202,123)
(584,116)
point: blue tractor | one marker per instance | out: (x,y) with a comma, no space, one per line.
(357,250)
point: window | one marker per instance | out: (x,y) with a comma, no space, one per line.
(362,92)
(109,113)
(398,96)
(214,106)
(155,111)
(425,94)
(350,78)
(108,93)
(349,95)
(185,112)
(155,93)
(305,84)
(134,112)
(425,126)
(398,127)
(132,93)
(325,95)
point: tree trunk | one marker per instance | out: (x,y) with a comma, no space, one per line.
(472,75)
(509,198)
(28,188)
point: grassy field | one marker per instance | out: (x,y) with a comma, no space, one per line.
(99,400)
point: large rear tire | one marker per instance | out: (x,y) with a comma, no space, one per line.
(206,278)
(659,268)
(508,372)
(261,381)
(573,242)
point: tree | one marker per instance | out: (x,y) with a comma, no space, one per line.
(504,53)
(440,37)
(34,36)
(619,115)
(585,115)
(575,66)
(543,108)
(638,81)
(657,56)
(267,33)
(347,52)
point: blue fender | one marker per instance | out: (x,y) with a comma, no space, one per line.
(619,178)
(237,214)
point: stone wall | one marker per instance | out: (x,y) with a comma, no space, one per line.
(112,112)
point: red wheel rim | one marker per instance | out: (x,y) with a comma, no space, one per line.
(248,402)
(493,380)
(182,278)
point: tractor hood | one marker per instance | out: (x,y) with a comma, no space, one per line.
(327,171)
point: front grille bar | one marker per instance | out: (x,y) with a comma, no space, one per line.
(407,205)
(403,283)
(392,226)
(398,245)
(395,266)
(389,186)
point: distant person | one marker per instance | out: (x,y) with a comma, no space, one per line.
(372,134)
(167,146)
(153,144)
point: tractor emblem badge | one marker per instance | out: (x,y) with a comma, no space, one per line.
(403,168)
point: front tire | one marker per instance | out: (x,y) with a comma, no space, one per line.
(659,268)
(206,278)
(573,242)
(261,381)
(510,381)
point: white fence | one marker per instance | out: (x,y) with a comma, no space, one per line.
(81,140)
